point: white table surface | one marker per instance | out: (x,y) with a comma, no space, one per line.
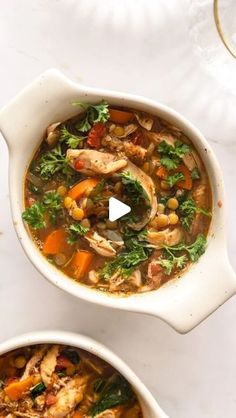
(123,45)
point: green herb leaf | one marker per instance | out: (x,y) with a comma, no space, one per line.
(187,210)
(171,155)
(195,175)
(53,161)
(117,391)
(94,114)
(52,202)
(70,139)
(37,390)
(99,385)
(34,216)
(76,229)
(126,262)
(133,188)
(177,256)
(174,178)
(95,194)
(72,355)
(33,189)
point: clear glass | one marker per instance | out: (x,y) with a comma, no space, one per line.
(206,29)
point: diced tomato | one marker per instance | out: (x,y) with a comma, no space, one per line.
(137,138)
(50,399)
(78,165)
(95,135)
(63,362)
(155,268)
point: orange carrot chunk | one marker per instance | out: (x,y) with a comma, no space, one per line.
(80,188)
(80,263)
(120,116)
(18,390)
(161,172)
(55,242)
(187,183)
(77,414)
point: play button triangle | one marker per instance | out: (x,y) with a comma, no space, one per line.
(117,209)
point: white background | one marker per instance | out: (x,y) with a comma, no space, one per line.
(141,47)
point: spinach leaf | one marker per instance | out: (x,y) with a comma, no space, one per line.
(117,391)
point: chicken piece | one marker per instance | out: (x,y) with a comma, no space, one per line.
(133,412)
(155,274)
(128,130)
(36,358)
(135,153)
(136,278)
(68,398)
(93,277)
(48,364)
(144,121)
(148,185)
(95,162)
(165,237)
(100,244)
(115,238)
(115,281)
(111,413)
(53,134)
(200,197)
(158,137)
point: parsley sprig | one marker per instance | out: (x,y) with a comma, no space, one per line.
(93,114)
(52,162)
(70,139)
(177,256)
(51,204)
(172,179)
(171,155)
(187,210)
(133,188)
(76,230)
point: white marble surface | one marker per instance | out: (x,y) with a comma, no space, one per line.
(125,45)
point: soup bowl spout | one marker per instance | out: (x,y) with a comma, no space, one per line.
(182,302)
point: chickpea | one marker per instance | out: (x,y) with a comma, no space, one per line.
(119,131)
(165,185)
(68,202)
(85,223)
(60,259)
(173,218)
(77,214)
(161,208)
(20,362)
(162,221)
(173,203)
(62,190)
(146,167)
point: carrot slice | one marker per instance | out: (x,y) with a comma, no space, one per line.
(120,116)
(77,414)
(161,172)
(17,390)
(80,263)
(187,183)
(80,188)
(56,242)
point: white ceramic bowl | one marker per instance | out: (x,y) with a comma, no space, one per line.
(182,303)
(149,406)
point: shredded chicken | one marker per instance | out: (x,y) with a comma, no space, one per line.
(145,121)
(167,237)
(148,185)
(53,134)
(68,398)
(111,413)
(96,162)
(135,153)
(36,358)
(158,137)
(48,364)
(100,244)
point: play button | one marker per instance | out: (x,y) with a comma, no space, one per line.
(117,209)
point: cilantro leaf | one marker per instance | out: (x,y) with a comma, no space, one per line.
(76,229)
(94,113)
(174,178)
(70,139)
(133,188)
(34,216)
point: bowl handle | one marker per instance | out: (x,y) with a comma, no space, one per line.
(45,92)
(198,301)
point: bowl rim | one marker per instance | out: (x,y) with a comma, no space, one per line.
(94,347)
